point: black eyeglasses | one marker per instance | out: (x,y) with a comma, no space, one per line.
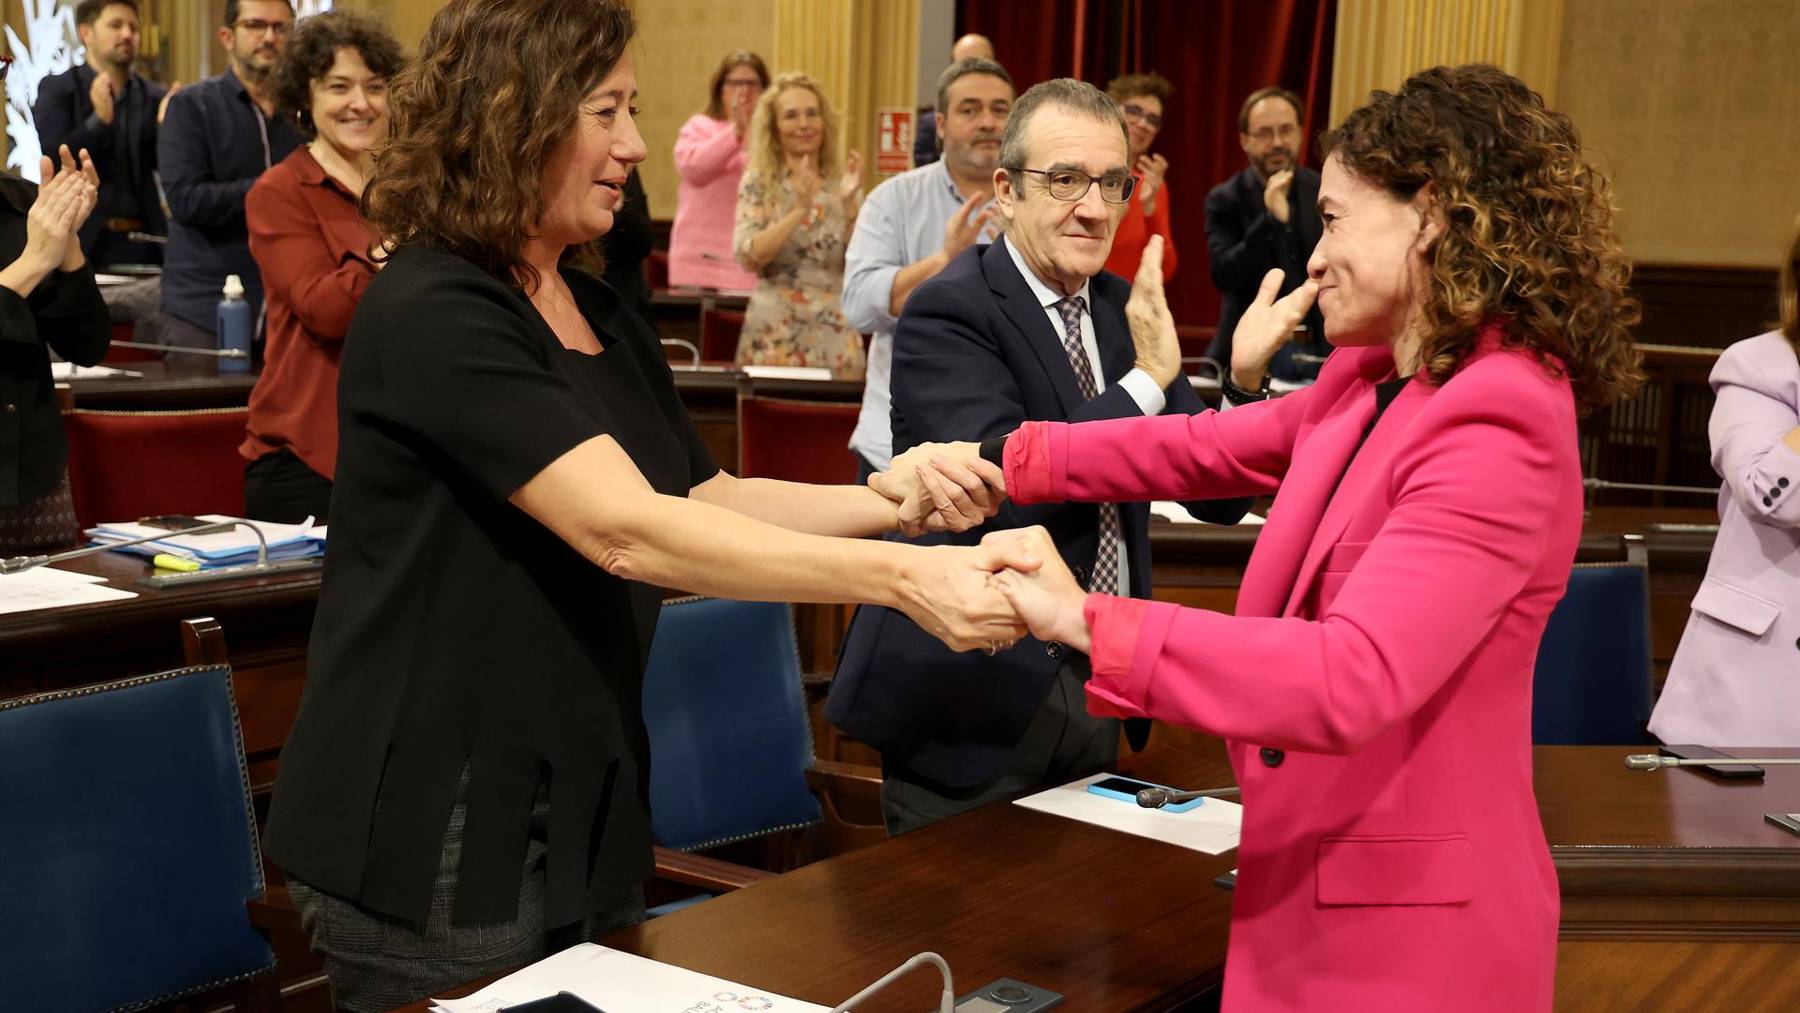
(1069,185)
(1133,111)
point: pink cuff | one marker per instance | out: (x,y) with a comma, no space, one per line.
(1037,462)
(1120,686)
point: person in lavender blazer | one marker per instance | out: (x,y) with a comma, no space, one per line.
(1735,680)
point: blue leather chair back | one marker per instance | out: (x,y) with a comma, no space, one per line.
(127,844)
(1592,684)
(729,736)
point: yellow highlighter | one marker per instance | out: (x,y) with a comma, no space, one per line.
(164,561)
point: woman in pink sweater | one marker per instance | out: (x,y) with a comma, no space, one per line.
(709,154)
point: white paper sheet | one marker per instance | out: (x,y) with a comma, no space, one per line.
(787,373)
(70,371)
(619,982)
(1211,827)
(43,588)
(1169,510)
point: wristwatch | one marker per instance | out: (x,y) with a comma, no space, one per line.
(994,451)
(1238,396)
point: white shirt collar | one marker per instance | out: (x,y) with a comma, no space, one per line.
(1046,296)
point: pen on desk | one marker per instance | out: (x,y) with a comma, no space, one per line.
(164,561)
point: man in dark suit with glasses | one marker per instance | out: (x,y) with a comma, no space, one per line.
(1029,327)
(1265,217)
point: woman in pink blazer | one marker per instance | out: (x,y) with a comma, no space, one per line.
(1374,687)
(1735,680)
(710,156)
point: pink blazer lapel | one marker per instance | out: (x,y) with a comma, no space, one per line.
(1360,474)
(1301,504)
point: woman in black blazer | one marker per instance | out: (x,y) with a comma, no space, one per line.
(48,300)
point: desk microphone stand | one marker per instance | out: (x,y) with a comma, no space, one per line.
(1656,761)
(216,353)
(262,565)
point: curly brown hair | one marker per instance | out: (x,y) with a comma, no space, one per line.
(496,87)
(1133,85)
(311,51)
(1529,241)
(715,103)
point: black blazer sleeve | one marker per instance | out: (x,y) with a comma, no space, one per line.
(65,116)
(1240,240)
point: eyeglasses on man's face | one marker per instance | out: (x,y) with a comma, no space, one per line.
(1133,111)
(1285,132)
(1069,185)
(257,26)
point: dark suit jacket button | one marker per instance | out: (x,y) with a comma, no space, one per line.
(1768,501)
(1081,575)
(1272,757)
(1054,649)
(1781,482)
(1776,491)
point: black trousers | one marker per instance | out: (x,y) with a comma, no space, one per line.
(280,487)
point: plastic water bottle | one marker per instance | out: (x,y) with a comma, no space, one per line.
(236,326)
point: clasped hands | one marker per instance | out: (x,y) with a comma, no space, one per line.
(985,596)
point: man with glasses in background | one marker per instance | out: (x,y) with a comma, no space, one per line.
(1266,217)
(916,223)
(1029,327)
(217,138)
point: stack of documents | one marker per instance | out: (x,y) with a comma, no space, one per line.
(620,982)
(233,547)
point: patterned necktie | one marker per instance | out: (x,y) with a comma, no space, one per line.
(1106,562)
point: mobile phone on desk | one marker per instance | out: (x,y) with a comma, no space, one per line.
(1125,789)
(561,1002)
(1729,771)
(173,522)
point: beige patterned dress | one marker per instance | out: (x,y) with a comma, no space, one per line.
(794,318)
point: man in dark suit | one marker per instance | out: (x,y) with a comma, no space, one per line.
(101,105)
(1030,327)
(1266,217)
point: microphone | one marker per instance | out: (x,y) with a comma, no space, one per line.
(1156,798)
(1596,484)
(19,563)
(217,353)
(1656,761)
(946,1003)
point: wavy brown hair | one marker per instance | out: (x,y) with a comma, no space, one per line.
(1529,241)
(715,103)
(496,87)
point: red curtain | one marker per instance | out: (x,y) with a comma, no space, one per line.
(1215,52)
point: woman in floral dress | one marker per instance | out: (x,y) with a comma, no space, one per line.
(792,228)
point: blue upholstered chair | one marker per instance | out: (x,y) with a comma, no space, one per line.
(729,738)
(1592,683)
(127,846)
(731,748)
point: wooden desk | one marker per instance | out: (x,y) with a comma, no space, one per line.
(176,382)
(1119,923)
(267,622)
(1669,854)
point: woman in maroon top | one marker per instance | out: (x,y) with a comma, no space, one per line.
(316,256)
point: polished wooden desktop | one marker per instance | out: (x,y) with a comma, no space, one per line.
(1673,886)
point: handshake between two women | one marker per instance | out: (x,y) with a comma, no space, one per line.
(987,596)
